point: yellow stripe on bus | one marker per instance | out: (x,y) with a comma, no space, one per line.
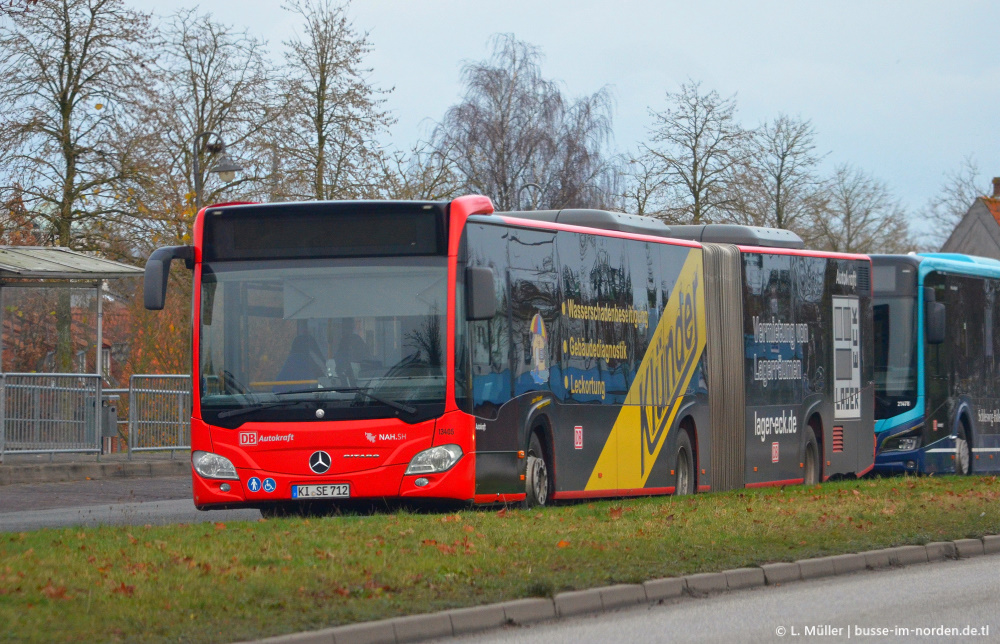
(640,431)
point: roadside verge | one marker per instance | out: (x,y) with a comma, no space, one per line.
(463,621)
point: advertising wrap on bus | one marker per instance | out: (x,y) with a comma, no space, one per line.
(437,350)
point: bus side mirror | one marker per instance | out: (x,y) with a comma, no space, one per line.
(154,287)
(934,316)
(480,297)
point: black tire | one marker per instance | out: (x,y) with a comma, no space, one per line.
(810,458)
(537,482)
(963,452)
(685,482)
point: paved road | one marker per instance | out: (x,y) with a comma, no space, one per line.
(953,594)
(106,502)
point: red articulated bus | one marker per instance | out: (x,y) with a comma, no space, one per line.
(439,350)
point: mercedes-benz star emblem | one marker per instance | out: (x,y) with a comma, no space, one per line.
(319,462)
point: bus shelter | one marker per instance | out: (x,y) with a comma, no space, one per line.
(53,412)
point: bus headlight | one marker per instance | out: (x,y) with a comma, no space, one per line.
(904,441)
(213,466)
(435,459)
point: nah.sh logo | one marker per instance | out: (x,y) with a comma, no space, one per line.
(370,437)
(248,438)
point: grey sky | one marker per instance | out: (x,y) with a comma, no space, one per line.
(903,90)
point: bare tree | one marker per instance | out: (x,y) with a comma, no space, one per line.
(70,68)
(334,114)
(515,138)
(778,186)
(645,191)
(861,216)
(15,7)
(959,191)
(210,78)
(422,174)
(697,147)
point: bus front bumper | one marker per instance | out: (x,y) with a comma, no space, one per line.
(899,462)
(258,488)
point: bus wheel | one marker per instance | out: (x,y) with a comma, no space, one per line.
(963,454)
(536,480)
(811,459)
(685,465)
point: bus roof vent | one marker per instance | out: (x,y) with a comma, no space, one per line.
(602,219)
(740,235)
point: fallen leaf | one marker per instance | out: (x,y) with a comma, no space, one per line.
(54,592)
(122,589)
(562,544)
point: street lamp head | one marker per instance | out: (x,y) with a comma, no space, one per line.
(226,168)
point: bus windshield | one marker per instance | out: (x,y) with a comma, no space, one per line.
(895,355)
(322,339)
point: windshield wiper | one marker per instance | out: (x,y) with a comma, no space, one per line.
(359,390)
(258,406)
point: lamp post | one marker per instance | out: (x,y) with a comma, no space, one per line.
(534,203)
(225,167)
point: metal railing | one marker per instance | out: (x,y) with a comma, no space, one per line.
(49,413)
(159,413)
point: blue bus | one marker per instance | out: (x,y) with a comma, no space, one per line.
(937,363)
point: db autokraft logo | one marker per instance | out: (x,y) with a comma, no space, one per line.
(252,438)
(774,452)
(578,437)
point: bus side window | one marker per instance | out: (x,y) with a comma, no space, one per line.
(490,339)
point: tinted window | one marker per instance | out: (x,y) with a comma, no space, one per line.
(491,379)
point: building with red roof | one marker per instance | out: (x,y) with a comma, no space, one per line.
(978,233)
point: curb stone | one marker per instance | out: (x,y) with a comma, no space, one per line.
(660,589)
(780,573)
(380,632)
(846,564)
(422,627)
(969,547)
(622,595)
(744,578)
(706,582)
(477,618)
(906,555)
(940,550)
(526,611)
(578,601)
(876,559)
(816,568)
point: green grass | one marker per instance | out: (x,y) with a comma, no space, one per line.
(216,582)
